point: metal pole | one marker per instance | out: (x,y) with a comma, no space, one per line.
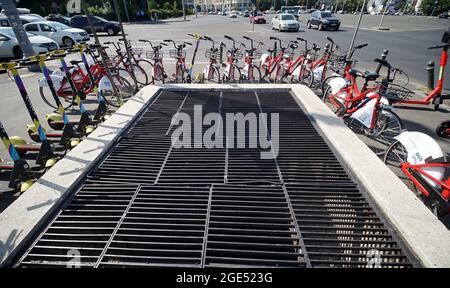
(195,8)
(337,4)
(357,27)
(382,16)
(254,13)
(184,11)
(126,10)
(16,24)
(102,53)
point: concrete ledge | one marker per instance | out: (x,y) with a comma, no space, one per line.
(23,217)
(419,230)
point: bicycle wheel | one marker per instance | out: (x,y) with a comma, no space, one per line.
(254,74)
(332,104)
(327,80)
(124,91)
(147,66)
(387,126)
(395,155)
(158,74)
(179,74)
(214,76)
(140,74)
(67,101)
(236,78)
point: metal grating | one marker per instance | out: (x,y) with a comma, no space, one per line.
(149,204)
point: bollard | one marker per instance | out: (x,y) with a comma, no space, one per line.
(430,70)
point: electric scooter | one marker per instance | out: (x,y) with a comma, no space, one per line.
(20,178)
(69,137)
(46,157)
(189,71)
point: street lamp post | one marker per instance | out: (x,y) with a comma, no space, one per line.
(382,17)
(184,11)
(126,10)
(357,27)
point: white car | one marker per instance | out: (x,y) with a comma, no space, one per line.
(58,32)
(10,48)
(285,22)
(233,14)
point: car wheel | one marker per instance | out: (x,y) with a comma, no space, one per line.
(17,51)
(336,29)
(320,28)
(308,25)
(110,31)
(68,42)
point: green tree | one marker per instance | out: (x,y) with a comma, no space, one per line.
(439,6)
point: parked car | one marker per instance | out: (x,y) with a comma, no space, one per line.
(246,14)
(58,18)
(285,22)
(323,20)
(25,19)
(58,32)
(258,18)
(232,14)
(100,24)
(10,48)
(444,15)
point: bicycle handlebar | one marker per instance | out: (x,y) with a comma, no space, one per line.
(439,46)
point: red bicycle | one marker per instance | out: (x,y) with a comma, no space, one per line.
(419,162)
(319,67)
(211,72)
(158,73)
(295,70)
(232,73)
(366,112)
(270,62)
(86,75)
(179,53)
(250,71)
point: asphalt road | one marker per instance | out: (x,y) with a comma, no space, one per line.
(406,42)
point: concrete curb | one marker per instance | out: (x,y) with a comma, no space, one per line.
(23,217)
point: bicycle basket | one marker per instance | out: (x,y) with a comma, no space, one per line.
(152,55)
(210,54)
(138,51)
(238,55)
(173,53)
(397,92)
(257,54)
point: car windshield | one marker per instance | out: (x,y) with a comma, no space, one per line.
(60,26)
(326,15)
(287,17)
(259,14)
(10,33)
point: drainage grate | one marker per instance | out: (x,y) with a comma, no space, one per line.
(148,204)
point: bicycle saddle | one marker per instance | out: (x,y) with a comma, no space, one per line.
(75,62)
(270,50)
(369,76)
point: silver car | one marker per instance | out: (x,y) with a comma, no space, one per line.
(285,22)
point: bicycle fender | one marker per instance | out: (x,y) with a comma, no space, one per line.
(226,71)
(422,148)
(336,84)
(263,58)
(105,84)
(56,79)
(364,114)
